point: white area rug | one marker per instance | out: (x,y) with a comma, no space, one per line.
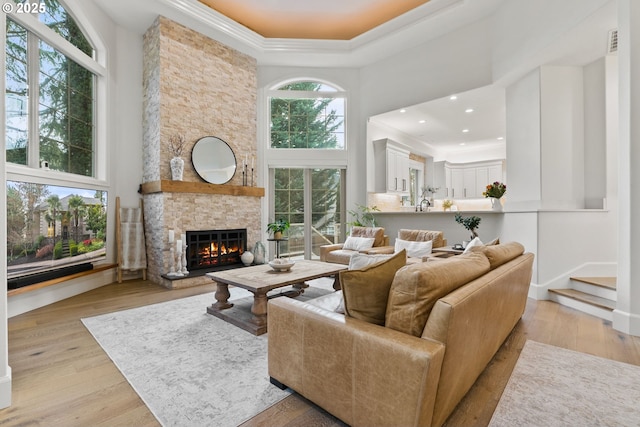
(189,367)
(552,386)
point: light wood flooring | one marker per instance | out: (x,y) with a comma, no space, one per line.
(61,376)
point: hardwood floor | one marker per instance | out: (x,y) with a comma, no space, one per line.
(61,376)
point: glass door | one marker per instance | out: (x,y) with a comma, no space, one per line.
(312,201)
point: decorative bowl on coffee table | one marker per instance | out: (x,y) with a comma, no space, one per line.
(280,264)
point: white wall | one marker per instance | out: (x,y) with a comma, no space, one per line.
(562,137)
(595,134)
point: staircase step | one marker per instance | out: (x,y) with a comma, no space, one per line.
(586,298)
(603,282)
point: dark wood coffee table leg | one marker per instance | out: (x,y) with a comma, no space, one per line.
(222,296)
(259,309)
(336,282)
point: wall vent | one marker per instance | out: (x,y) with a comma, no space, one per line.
(612,45)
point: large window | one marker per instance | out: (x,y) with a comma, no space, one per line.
(307,164)
(50,94)
(50,227)
(56,184)
(308,115)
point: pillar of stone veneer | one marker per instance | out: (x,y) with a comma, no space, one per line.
(196,87)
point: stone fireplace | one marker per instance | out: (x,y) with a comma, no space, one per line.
(196,87)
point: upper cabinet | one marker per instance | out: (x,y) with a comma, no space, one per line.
(469,181)
(391,167)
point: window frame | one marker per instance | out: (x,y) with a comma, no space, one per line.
(303,158)
(31,172)
(337,93)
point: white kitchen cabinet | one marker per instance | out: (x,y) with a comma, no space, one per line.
(392,167)
(469,181)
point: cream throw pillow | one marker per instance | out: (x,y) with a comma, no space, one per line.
(359,261)
(414,249)
(475,242)
(358,243)
(366,291)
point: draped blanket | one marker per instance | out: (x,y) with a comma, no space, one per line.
(134,254)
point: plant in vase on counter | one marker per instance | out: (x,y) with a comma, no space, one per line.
(497,190)
(470,223)
(446,204)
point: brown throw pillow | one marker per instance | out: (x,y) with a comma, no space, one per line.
(366,291)
(500,254)
(416,288)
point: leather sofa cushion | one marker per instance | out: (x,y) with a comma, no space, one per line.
(366,291)
(501,253)
(417,287)
(340,256)
(437,237)
(376,232)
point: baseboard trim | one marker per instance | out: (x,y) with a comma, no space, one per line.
(5,389)
(626,322)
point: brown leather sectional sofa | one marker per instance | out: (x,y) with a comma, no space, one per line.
(416,368)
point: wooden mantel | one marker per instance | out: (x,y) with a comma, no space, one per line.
(169,186)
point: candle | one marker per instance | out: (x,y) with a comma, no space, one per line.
(171,236)
(251,162)
(184,237)
(179,245)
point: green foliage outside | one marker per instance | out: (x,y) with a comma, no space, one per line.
(306,123)
(65,101)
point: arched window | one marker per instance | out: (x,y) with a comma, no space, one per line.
(51,77)
(307,114)
(307,162)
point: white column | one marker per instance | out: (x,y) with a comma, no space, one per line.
(626,317)
(5,370)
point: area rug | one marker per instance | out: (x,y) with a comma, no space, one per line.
(552,386)
(189,367)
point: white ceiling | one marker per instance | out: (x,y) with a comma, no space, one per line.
(440,123)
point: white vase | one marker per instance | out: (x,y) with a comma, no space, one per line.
(177,168)
(246,258)
(496,206)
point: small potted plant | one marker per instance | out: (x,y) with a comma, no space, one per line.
(446,204)
(363,217)
(278,227)
(470,223)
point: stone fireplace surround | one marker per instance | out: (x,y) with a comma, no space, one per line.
(197,87)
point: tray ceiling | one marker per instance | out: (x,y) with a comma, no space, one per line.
(328,19)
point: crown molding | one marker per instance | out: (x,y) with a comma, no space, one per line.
(357,51)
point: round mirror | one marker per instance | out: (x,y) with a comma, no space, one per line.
(213,160)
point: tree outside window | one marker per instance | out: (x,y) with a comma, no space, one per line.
(64,92)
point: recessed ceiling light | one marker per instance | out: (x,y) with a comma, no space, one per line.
(453,97)
(403,111)
(465,130)
(469,110)
(463,143)
(500,138)
(421,121)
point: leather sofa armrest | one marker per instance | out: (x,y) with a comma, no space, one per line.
(376,250)
(325,249)
(362,373)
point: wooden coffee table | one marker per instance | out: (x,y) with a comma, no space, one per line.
(259,280)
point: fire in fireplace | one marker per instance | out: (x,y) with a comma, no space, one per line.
(212,249)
